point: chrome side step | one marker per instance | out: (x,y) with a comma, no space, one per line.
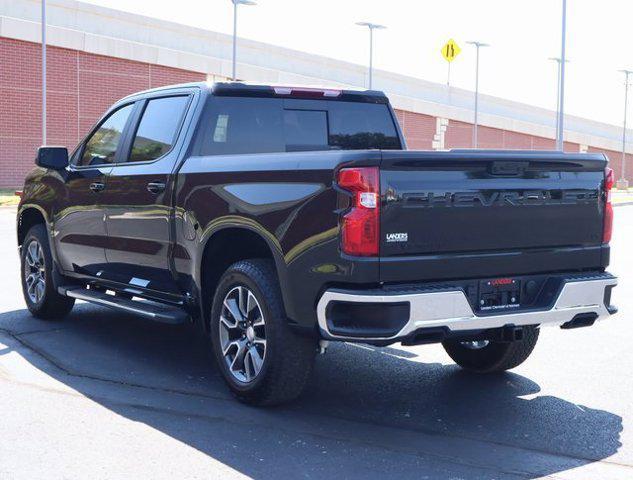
(150,310)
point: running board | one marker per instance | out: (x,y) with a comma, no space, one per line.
(153,311)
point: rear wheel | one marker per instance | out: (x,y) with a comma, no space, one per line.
(487,356)
(262,361)
(38,287)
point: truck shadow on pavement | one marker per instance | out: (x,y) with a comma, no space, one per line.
(376,411)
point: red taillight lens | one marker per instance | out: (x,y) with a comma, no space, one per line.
(360,225)
(609,181)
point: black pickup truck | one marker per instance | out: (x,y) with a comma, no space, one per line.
(278,219)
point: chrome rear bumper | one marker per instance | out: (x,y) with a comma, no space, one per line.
(450,309)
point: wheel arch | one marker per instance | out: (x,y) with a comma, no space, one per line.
(229,244)
(28,216)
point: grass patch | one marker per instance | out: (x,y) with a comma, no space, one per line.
(8,197)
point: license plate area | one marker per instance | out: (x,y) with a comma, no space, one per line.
(499,294)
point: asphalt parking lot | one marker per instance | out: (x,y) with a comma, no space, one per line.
(104,395)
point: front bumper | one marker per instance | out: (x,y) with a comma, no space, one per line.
(430,309)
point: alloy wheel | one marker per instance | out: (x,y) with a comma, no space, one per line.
(34,271)
(242,334)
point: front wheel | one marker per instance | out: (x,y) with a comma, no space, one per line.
(487,356)
(262,361)
(42,300)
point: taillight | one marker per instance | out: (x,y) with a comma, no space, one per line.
(608,207)
(360,225)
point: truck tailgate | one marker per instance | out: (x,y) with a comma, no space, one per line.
(483,202)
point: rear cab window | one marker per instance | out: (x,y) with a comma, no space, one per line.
(240,125)
(305,130)
(361,126)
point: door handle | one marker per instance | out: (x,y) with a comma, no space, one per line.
(155,187)
(97,186)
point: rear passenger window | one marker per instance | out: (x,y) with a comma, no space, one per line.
(157,130)
(305,130)
(101,147)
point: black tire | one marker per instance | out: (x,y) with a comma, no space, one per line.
(48,304)
(288,358)
(495,356)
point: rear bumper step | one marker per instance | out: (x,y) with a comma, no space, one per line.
(386,316)
(150,310)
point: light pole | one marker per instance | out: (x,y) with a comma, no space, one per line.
(557,60)
(561,85)
(235,4)
(372,27)
(477,45)
(43,72)
(623,183)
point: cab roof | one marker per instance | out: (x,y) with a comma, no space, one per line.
(246,89)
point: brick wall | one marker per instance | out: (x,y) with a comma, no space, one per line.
(615,162)
(460,135)
(81,86)
(418,129)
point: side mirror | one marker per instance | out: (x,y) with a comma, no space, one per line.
(55,158)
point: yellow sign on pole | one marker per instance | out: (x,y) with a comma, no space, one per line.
(450,50)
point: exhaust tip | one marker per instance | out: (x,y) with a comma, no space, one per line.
(581,320)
